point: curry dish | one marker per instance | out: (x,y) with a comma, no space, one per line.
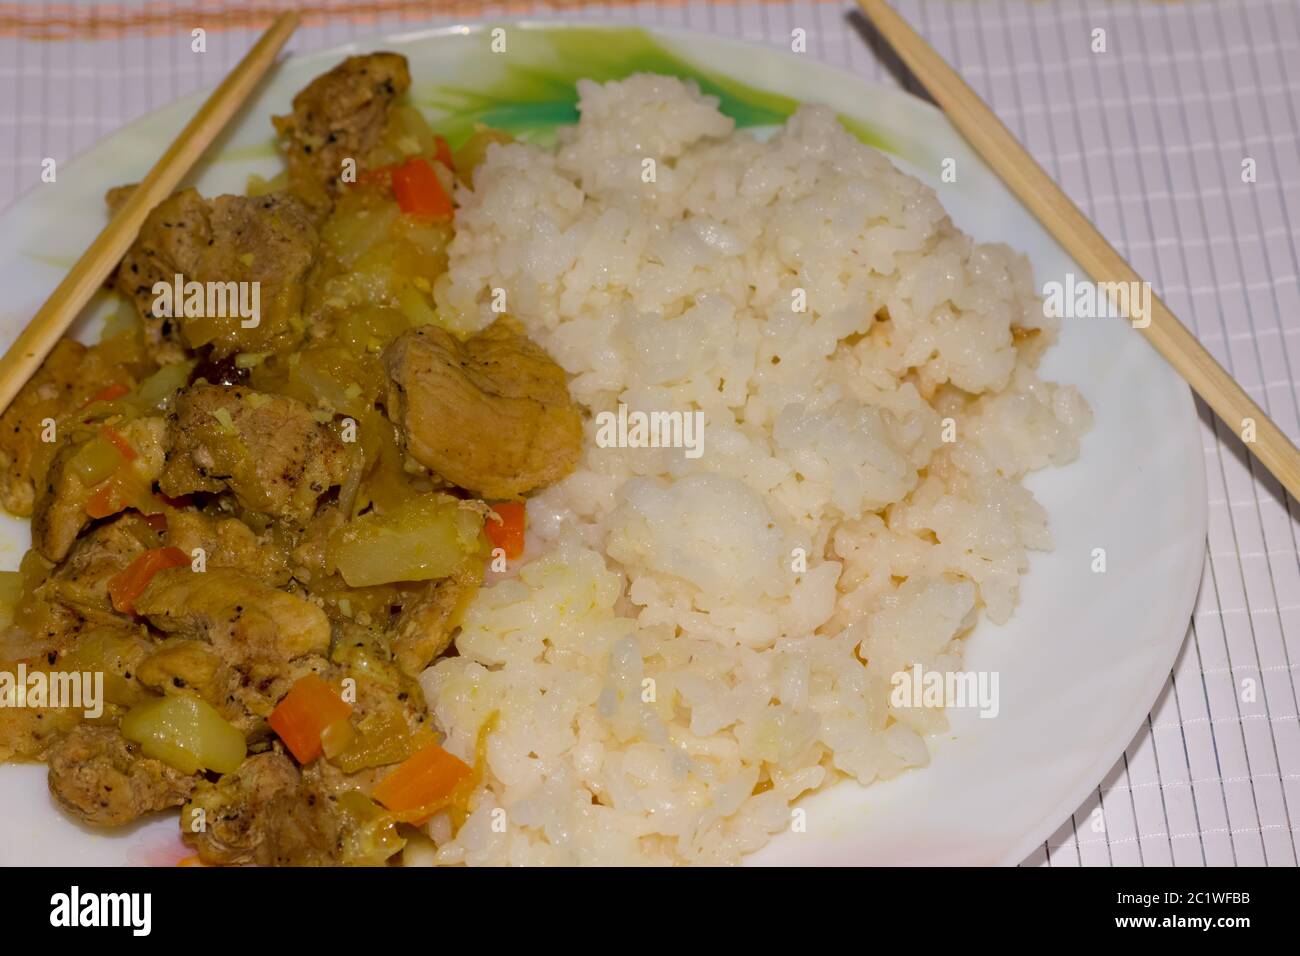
(340,471)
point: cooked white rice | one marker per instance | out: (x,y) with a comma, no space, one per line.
(666,682)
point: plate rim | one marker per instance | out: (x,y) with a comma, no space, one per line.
(1182,608)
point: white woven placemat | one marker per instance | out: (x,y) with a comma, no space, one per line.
(1148,137)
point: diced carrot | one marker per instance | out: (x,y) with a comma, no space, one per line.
(120,443)
(442,152)
(116,390)
(125,489)
(422,779)
(456,800)
(418,191)
(129,583)
(309,709)
(106,500)
(508,533)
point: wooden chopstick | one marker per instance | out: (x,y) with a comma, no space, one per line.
(994,142)
(98,261)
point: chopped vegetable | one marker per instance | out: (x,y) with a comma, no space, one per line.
(372,835)
(155,390)
(225,420)
(508,533)
(321,377)
(120,443)
(251,359)
(106,500)
(104,462)
(129,583)
(114,653)
(419,192)
(116,390)
(135,491)
(422,779)
(415,306)
(96,460)
(186,732)
(421,539)
(381,739)
(337,737)
(310,709)
(456,800)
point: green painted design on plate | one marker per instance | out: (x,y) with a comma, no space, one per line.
(534,92)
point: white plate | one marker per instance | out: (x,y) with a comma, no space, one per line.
(1084,656)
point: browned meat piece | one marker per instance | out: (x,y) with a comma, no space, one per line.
(426,625)
(262,814)
(116,650)
(254,628)
(70,375)
(308,554)
(27,733)
(182,663)
(43,627)
(268,450)
(60,511)
(269,240)
(270,813)
(229,543)
(340,115)
(179,663)
(491,414)
(102,779)
(384,692)
(80,582)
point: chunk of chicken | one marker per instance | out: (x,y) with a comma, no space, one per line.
(256,628)
(268,240)
(73,596)
(491,414)
(270,813)
(229,543)
(263,813)
(80,582)
(340,115)
(103,779)
(268,450)
(28,733)
(428,622)
(60,511)
(70,375)
(385,693)
(188,664)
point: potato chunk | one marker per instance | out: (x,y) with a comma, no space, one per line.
(423,539)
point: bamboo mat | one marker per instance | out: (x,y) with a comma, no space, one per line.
(1148,139)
